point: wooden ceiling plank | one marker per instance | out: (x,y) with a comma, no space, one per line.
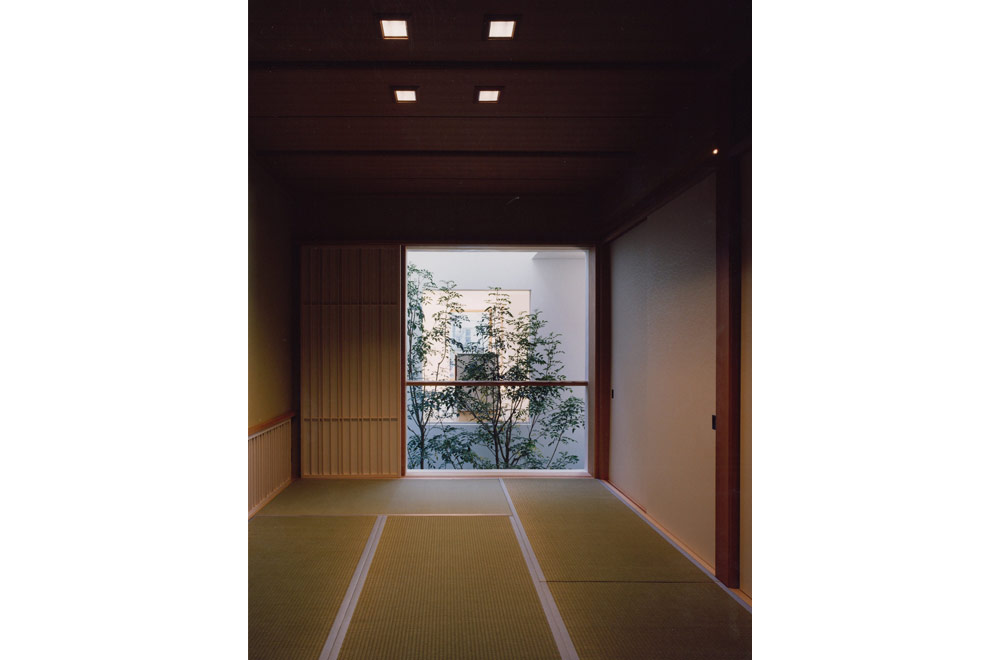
(436,167)
(451,133)
(335,93)
(626,30)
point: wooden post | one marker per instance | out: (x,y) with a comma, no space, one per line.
(602,376)
(727,352)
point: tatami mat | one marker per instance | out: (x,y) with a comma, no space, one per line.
(299,570)
(682,621)
(580,531)
(342,497)
(449,587)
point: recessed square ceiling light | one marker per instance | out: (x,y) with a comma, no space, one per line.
(405,94)
(488,95)
(394,28)
(501,29)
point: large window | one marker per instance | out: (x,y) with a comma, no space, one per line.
(496,359)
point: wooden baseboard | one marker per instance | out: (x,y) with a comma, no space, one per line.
(666,532)
(274,494)
(739,593)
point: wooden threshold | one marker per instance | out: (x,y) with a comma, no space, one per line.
(493,383)
(496,474)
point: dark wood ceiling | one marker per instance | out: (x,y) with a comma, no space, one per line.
(595,95)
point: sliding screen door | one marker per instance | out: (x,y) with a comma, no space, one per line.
(350,361)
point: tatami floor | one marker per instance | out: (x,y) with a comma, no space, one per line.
(477,568)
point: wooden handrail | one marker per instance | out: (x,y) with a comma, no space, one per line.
(257,428)
(503,383)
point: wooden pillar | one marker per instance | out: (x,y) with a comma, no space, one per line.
(602,375)
(727,352)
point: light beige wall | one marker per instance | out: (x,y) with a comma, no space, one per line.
(745,383)
(663,366)
(271,300)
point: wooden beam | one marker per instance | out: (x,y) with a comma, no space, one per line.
(727,438)
(674,186)
(446,153)
(679,70)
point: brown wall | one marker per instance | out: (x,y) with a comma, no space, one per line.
(663,302)
(271,319)
(745,382)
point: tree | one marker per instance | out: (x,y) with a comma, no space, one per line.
(517,424)
(428,357)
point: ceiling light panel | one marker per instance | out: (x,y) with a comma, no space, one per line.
(405,95)
(500,27)
(488,96)
(394,27)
